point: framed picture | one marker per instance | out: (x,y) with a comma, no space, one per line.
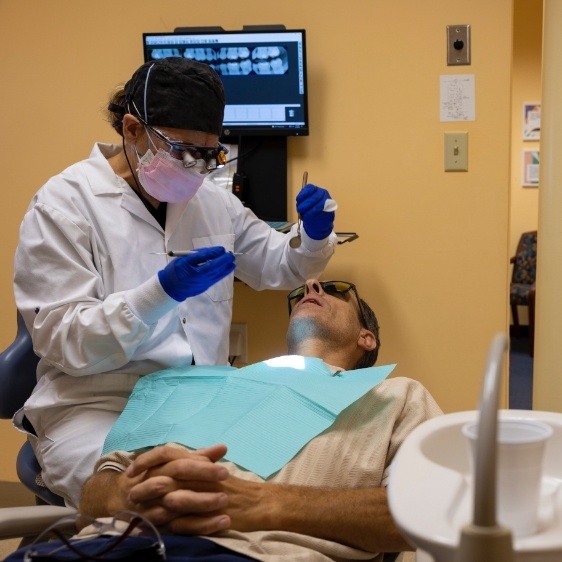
(531,121)
(530,171)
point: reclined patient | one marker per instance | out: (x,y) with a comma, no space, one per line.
(327,501)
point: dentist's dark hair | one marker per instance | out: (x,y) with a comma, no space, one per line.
(173,92)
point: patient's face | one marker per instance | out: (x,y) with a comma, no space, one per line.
(323,314)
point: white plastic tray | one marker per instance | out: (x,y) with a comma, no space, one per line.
(430,496)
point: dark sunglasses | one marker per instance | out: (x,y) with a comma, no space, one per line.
(214,157)
(339,289)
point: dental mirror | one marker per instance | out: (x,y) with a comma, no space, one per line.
(296,241)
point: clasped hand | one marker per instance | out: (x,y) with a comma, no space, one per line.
(186,492)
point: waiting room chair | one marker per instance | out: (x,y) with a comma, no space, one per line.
(18,365)
(522,288)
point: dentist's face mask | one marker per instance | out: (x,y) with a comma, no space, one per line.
(166,179)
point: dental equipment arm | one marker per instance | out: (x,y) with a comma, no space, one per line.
(483,539)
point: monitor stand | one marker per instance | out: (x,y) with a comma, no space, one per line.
(262,175)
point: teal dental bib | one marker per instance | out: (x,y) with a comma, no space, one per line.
(265,413)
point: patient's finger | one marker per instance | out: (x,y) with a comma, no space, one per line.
(151,489)
(155,487)
(197,525)
(214,453)
(171,494)
(161,516)
(190,470)
(172,523)
(191,502)
(166,453)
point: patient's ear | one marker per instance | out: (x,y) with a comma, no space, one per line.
(367,340)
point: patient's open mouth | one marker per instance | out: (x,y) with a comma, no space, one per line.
(311,300)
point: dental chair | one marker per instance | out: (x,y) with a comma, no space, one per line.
(18,364)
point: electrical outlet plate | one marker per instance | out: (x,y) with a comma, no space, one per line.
(239,342)
(458,45)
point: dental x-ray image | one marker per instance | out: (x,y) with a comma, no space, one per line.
(232,61)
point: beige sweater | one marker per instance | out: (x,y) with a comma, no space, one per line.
(354,452)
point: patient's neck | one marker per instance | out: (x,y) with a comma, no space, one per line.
(317,348)
(312,338)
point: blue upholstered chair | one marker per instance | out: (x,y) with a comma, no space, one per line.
(18,365)
(522,288)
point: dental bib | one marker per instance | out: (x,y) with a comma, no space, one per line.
(265,413)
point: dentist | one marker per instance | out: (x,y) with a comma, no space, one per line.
(102,306)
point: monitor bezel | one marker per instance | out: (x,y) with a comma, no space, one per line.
(234,131)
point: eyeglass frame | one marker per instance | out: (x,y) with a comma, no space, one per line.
(218,153)
(134,522)
(206,153)
(351,287)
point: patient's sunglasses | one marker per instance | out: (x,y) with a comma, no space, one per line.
(339,289)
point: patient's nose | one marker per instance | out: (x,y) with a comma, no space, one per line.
(313,286)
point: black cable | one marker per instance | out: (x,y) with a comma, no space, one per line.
(244,154)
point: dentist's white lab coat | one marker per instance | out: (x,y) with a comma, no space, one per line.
(86,285)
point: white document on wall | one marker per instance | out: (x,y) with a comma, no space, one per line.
(457,97)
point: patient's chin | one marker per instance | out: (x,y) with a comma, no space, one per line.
(302,329)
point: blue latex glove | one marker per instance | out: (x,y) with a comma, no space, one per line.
(193,274)
(317,223)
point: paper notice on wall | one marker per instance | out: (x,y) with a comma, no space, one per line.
(457,97)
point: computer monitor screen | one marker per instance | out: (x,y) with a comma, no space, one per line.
(263,73)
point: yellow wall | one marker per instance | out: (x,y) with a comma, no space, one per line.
(433,248)
(526,88)
(547,382)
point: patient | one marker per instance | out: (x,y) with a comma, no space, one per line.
(328,502)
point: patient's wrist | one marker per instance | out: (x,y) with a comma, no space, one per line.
(113,498)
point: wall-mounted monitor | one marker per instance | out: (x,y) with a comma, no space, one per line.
(263,72)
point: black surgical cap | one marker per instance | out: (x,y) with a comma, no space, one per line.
(180,94)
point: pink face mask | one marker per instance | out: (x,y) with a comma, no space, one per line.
(166,179)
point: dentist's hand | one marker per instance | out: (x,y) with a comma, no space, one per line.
(317,222)
(193,274)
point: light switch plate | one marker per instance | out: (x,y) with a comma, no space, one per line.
(456,151)
(458,44)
